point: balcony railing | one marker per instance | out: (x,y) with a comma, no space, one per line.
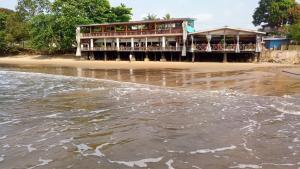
(128,33)
(228,47)
(126,48)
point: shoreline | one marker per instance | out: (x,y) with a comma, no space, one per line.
(200,67)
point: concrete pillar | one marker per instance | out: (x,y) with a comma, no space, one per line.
(177,45)
(237,50)
(118,57)
(132,43)
(146,57)
(258,44)
(118,43)
(105,56)
(132,57)
(78,51)
(163,42)
(163,58)
(92,44)
(146,43)
(224,57)
(92,56)
(105,45)
(192,45)
(193,57)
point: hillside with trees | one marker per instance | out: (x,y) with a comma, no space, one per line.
(282,16)
(49,26)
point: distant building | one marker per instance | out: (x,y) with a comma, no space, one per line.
(275,43)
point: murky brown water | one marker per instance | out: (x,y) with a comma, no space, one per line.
(164,119)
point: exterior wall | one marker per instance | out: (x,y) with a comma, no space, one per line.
(286,57)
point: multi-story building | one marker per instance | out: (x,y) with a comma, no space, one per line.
(164,40)
(129,38)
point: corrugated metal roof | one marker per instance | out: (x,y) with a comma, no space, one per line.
(140,22)
(211,31)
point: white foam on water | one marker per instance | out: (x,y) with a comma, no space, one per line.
(296,140)
(3,137)
(55,115)
(169,164)
(140,163)
(287,164)
(247,166)
(204,151)
(14,121)
(1,158)
(82,148)
(61,142)
(43,163)
(172,151)
(194,166)
(6,146)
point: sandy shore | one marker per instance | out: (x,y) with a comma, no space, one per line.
(73,62)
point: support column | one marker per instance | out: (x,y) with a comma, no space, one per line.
(92,44)
(146,43)
(132,57)
(105,45)
(208,38)
(163,58)
(146,57)
(176,45)
(225,58)
(118,56)
(224,45)
(105,56)
(118,43)
(132,43)
(193,57)
(163,42)
(78,51)
(192,45)
(92,56)
(258,44)
(237,50)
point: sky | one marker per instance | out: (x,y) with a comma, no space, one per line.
(208,13)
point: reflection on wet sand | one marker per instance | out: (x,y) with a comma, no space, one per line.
(268,81)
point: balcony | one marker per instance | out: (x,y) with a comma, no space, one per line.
(136,49)
(131,33)
(228,47)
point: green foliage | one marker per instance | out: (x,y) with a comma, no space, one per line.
(167,16)
(150,17)
(49,25)
(294,32)
(275,13)
(30,8)
(16,29)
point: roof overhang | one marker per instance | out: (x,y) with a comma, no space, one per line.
(228,31)
(141,22)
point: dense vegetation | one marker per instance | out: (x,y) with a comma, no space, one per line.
(49,26)
(283,16)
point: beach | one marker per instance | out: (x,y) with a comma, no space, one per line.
(70,61)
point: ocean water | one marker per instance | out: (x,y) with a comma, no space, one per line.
(57,121)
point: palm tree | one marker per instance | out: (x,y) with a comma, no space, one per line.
(167,16)
(150,17)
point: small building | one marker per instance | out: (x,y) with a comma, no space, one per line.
(275,43)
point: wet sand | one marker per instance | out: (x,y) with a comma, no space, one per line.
(74,62)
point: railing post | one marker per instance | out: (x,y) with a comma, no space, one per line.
(238,50)
(132,43)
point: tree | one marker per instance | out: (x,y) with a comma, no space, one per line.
(167,16)
(275,13)
(294,32)
(16,30)
(120,14)
(150,17)
(30,8)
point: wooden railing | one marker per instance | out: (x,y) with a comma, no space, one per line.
(126,48)
(128,33)
(228,47)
